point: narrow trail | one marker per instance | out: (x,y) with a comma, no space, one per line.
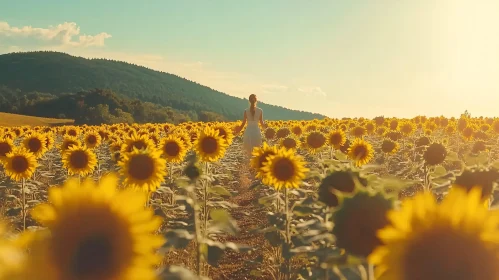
(235,265)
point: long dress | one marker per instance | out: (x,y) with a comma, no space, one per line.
(252,135)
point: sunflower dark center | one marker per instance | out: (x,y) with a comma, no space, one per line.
(284,169)
(72,132)
(282,133)
(78,159)
(263,158)
(356,229)
(172,149)
(34,145)
(297,130)
(360,152)
(388,146)
(91,139)
(69,144)
(94,257)
(316,140)
(209,145)
(141,167)
(269,133)
(289,143)
(445,253)
(20,164)
(5,148)
(336,139)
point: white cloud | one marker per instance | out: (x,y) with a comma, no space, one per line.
(274,88)
(65,34)
(312,91)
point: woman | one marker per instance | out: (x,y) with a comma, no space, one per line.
(252,135)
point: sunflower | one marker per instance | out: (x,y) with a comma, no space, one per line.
(79,160)
(394,124)
(407,128)
(344,148)
(284,169)
(224,132)
(337,182)
(467,133)
(269,133)
(389,146)
(394,135)
(454,239)
(143,169)
(182,135)
(435,154)
(357,221)
(360,151)
(297,130)
(314,141)
(423,141)
(462,123)
(282,132)
(92,139)
(495,126)
(136,141)
(259,158)
(289,142)
(49,141)
(173,148)
(12,257)
(209,146)
(6,146)
(119,244)
(20,164)
(381,130)
(336,138)
(68,142)
(73,131)
(358,131)
(36,144)
(479,146)
(484,178)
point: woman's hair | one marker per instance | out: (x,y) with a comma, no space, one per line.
(252,100)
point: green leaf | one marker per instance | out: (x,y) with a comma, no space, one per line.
(222,219)
(439,171)
(178,238)
(219,190)
(339,155)
(214,251)
(300,210)
(452,156)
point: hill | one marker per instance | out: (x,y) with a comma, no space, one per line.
(7,119)
(58,73)
(94,107)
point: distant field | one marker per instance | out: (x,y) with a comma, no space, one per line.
(7,119)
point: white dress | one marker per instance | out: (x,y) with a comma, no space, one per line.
(252,135)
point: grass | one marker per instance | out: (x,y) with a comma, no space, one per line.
(7,119)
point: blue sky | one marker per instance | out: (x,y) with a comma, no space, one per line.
(336,57)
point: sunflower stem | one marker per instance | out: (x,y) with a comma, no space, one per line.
(23,192)
(371,272)
(288,235)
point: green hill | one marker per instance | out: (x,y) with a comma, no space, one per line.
(58,73)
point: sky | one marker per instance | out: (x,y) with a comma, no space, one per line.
(340,58)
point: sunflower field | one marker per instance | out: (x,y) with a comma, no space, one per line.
(380,198)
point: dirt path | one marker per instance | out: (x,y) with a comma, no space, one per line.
(235,265)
